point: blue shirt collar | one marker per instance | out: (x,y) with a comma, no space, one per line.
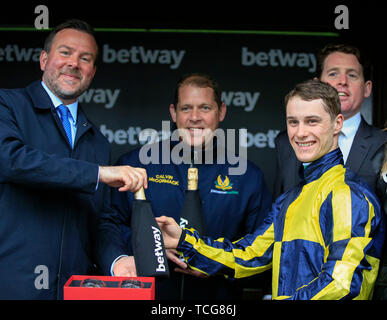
(351,125)
(73,107)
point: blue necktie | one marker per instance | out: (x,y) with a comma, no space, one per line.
(64,114)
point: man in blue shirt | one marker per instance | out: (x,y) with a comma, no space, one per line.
(54,176)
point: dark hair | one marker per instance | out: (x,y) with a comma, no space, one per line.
(316,89)
(69,24)
(199,80)
(348,49)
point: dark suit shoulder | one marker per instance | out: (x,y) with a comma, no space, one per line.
(282,137)
(368,131)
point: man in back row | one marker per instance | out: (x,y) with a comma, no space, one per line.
(324,237)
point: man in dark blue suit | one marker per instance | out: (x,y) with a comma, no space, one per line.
(54,176)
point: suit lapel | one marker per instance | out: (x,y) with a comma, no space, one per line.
(41,100)
(360,147)
(83,125)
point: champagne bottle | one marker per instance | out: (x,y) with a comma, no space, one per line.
(192,215)
(140,194)
(147,241)
(193,177)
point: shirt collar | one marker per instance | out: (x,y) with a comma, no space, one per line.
(351,125)
(73,107)
(318,167)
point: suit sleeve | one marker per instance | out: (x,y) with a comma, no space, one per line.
(260,201)
(23,164)
(122,202)
(278,187)
(109,241)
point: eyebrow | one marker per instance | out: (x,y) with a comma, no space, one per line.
(346,70)
(307,117)
(64,46)
(200,105)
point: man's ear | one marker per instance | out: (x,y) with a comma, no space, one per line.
(172,111)
(43,60)
(338,123)
(222,111)
(367,88)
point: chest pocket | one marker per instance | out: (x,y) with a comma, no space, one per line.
(165,194)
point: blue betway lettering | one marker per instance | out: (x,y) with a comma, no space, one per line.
(107,97)
(158,250)
(12,53)
(138,54)
(246,100)
(278,58)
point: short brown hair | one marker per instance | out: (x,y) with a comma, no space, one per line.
(199,80)
(69,24)
(314,90)
(344,48)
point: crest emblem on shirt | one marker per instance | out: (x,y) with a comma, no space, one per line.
(223,186)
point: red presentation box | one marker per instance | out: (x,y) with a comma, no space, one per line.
(109,288)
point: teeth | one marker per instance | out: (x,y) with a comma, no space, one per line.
(342,94)
(195,129)
(305,144)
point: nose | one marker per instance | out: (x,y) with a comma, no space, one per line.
(302,131)
(73,61)
(195,114)
(343,79)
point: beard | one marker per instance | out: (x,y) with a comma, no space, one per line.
(52,81)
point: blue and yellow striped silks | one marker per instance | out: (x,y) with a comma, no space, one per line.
(323,239)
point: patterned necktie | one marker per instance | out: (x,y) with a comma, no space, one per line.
(64,115)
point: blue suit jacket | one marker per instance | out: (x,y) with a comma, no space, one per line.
(49,205)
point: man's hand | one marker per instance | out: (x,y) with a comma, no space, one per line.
(125,267)
(170,230)
(126,178)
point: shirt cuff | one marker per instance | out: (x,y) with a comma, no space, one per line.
(182,238)
(96,186)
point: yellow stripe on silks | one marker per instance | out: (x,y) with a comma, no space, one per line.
(369,278)
(327,293)
(344,269)
(257,248)
(303,215)
(276,268)
(371,215)
(342,213)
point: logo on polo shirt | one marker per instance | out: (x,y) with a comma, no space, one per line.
(223,186)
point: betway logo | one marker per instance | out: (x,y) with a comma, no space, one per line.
(278,58)
(159,250)
(138,54)
(12,52)
(108,97)
(241,99)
